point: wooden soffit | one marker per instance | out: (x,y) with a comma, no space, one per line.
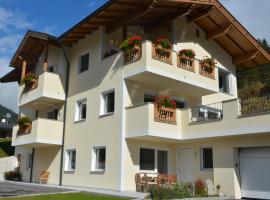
(210,15)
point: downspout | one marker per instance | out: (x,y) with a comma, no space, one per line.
(65,113)
(32,165)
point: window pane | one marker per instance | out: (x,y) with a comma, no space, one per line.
(84,63)
(110,102)
(224,82)
(149,98)
(73,159)
(83,111)
(101,158)
(207,158)
(162,162)
(147,159)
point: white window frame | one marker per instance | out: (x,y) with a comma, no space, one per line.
(156,159)
(78,110)
(79,62)
(94,158)
(103,101)
(68,160)
(202,160)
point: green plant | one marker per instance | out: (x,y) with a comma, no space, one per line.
(24,121)
(177,191)
(130,43)
(164,43)
(200,189)
(165,101)
(210,62)
(188,53)
(13,176)
(29,79)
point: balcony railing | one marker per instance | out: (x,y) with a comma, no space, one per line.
(207,113)
(255,105)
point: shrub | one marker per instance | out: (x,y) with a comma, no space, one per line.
(13,176)
(23,121)
(177,191)
(200,189)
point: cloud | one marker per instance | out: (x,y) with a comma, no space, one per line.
(9,43)
(49,29)
(252,14)
(10,19)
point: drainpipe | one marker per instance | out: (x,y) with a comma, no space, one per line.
(32,165)
(65,113)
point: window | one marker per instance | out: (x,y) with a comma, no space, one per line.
(147,159)
(180,104)
(29,161)
(149,98)
(99,159)
(206,158)
(107,105)
(53,114)
(71,160)
(224,81)
(83,63)
(81,108)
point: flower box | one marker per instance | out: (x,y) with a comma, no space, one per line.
(25,125)
(132,55)
(186,63)
(207,67)
(165,115)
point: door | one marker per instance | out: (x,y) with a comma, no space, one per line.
(255,172)
(185,165)
(162,162)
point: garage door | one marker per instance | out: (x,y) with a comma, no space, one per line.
(255,172)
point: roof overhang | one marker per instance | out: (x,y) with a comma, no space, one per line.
(210,15)
(29,50)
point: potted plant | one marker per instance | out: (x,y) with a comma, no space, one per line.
(132,48)
(163,46)
(24,123)
(208,64)
(29,80)
(165,109)
(165,102)
(187,54)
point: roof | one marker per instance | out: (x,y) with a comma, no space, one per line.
(30,49)
(210,15)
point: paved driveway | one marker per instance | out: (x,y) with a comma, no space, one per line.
(8,189)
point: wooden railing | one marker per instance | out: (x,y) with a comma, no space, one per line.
(207,71)
(31,87)
(24,130)
(165,115)
(133,55)
(186,63)
(255,105)
(162,55)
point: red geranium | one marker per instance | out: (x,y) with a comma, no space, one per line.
(165,101)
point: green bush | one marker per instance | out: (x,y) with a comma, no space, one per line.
(200,189)
(13,176)
(177,191)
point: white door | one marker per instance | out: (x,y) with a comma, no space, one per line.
(255,172)
(185,165)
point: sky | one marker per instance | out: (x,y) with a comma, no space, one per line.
(18,16)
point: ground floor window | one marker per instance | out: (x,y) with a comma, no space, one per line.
(29,161)
(70,160)
(154,160)
(206,158)
(99,159)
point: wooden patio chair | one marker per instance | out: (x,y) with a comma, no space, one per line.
(44,176)
(150,182)
(140,183)
(172,179)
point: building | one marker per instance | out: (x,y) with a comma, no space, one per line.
(93,120)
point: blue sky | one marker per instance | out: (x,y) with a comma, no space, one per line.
(17,16)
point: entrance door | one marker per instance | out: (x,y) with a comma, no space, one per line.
(185,165)
(255,172)
(162,162)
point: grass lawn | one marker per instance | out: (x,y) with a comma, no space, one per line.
(69,196)
(5,148)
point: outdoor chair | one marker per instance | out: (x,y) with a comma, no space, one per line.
(44,176)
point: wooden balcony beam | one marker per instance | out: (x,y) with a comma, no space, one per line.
(246,57)
(200,14)
(219,32)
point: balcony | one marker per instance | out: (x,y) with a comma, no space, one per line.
(42,132)
(46,92)
(146,122)
(146,66)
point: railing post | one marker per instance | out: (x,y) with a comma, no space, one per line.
(23,70)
